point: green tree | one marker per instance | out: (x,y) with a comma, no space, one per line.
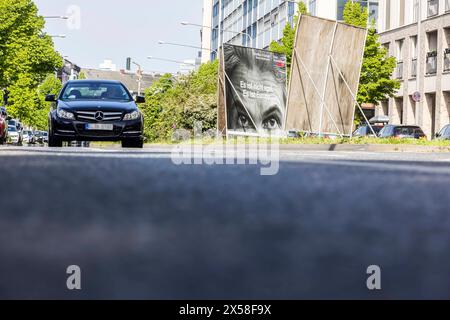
(178,102)
(27,55)
(286,44)
(376,83)
(51,85)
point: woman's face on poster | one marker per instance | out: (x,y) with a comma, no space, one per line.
(256,101)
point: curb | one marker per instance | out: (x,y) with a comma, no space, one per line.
(366,148)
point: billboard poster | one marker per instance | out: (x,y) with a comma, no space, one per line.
(325,76)
(254,91)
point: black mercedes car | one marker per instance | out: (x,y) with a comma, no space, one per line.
(95,110)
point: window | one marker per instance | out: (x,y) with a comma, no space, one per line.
(388,15)
(416,11)
(399,55)
(433,8)
(312,7)
(414,51)
(340,9)
(95,91)
(402,13)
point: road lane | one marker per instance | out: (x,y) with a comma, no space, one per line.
(141,227)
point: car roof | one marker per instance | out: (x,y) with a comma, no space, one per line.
(95,81)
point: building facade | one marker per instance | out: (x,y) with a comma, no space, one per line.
(206,31)
(256,23)
(69,71)
(417,33)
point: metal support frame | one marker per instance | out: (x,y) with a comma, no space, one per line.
(326,79)
(353,95)
(299,60)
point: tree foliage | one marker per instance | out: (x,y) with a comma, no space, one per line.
(27,56)
(376,83)
(286,44)
(177,103)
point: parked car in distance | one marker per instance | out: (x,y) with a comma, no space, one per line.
(3,125)
(38,138)
(13,135)
(402,132)
(27,136)
(444,134)
(365,131)
(16,123)
(44,137)
(32,137)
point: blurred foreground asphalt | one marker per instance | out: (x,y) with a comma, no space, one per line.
(141,227)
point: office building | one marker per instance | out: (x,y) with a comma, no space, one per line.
(417,33)
(256,23)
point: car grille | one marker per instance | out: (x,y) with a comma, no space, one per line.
(107,116)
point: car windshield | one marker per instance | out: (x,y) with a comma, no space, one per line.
(12,129)
(95,91)
(407,131)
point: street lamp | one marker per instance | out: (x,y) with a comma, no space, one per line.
(184,45)
(185,23)
(170,60)
(62,36)
(56,17)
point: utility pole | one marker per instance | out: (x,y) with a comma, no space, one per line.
(139,75)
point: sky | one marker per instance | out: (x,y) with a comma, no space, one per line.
(117,29)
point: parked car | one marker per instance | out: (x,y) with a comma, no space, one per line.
(13,135)
(44,137)
(95,110)
(32,137)
(38,137)
(365,131)
(16,123)
(402,132)
(444,134)
(27,136)
(3,125)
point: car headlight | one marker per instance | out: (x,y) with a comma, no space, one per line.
(65,114)
(132,116)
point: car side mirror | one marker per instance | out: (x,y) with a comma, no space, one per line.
(50,98)
(438,135)
(140,99)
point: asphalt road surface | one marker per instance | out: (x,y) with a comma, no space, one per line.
(141,227)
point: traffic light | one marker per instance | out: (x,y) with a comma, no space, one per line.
(128,64)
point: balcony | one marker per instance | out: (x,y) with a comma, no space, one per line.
(433,8)
(414,68)
(431,63)
(447,60)
(399,70)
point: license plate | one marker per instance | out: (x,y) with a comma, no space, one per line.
(99,126)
